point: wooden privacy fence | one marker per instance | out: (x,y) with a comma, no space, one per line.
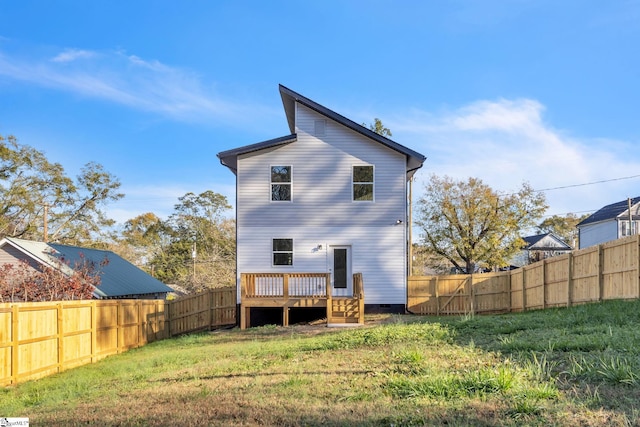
(42,338)
(608,271)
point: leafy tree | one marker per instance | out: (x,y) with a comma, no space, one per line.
(379,128)
(564,227)
(197,227)
(471,225)
(35,192)
(143,239)
(21,282)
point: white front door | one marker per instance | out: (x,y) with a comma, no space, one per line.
(340,268)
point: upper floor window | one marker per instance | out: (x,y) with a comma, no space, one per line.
(362,183)
(625,231)
(280,183)
(282,251)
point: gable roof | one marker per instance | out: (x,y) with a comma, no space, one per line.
(545,242)
(119,278)
(289,98)
(611,211)
(229,158)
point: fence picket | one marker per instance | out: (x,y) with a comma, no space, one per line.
(609,271)
(137,322)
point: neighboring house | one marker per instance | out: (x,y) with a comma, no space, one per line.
(612,222)
(119,278)
(331,197)
(539,247)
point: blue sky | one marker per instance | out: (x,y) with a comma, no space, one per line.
(507,91)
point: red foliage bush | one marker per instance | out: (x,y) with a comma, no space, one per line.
(21,282)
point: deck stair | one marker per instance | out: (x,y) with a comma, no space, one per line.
(344,310)
(347,311)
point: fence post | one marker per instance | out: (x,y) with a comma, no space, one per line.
(472,302)
(94,331)
(119,328)
(437,294)
(60,318)
(15,343)
(212,309)
(524,288)
(600,273)
(545,291)
(570,280)
(509,292)
(638,262)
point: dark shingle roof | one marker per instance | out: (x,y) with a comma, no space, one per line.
(610,211)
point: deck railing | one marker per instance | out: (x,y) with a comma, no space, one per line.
(265,285)
(288,290)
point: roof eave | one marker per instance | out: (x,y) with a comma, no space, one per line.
(229,158)
(415,160)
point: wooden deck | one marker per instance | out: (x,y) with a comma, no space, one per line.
(300,290)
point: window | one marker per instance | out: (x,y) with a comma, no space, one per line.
(280,183)
(363,183)
(282,251)
(625,228)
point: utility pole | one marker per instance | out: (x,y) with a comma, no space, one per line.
(193,256)
(630,217)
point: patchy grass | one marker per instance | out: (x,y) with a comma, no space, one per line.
(577,366)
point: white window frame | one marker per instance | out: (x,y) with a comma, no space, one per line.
(373,184)
(273,252)
(624,228)
(290,183)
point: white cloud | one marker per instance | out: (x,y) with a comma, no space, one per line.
(507,142)
(69,55)
(146,85)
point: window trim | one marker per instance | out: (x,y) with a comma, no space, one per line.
(290,183)
(273,252)
(624,227)
(373,183)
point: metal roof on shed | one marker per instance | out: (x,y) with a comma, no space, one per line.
(119,278)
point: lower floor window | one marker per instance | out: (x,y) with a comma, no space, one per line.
(282,251)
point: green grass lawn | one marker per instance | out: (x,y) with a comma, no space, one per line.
(577,366)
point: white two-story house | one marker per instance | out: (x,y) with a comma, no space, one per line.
(611,222)
(320,205)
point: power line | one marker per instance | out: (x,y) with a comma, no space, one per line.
(587,183)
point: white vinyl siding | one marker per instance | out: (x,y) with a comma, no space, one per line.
(323,180)
(322,211)
(596,233)
(376,253)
